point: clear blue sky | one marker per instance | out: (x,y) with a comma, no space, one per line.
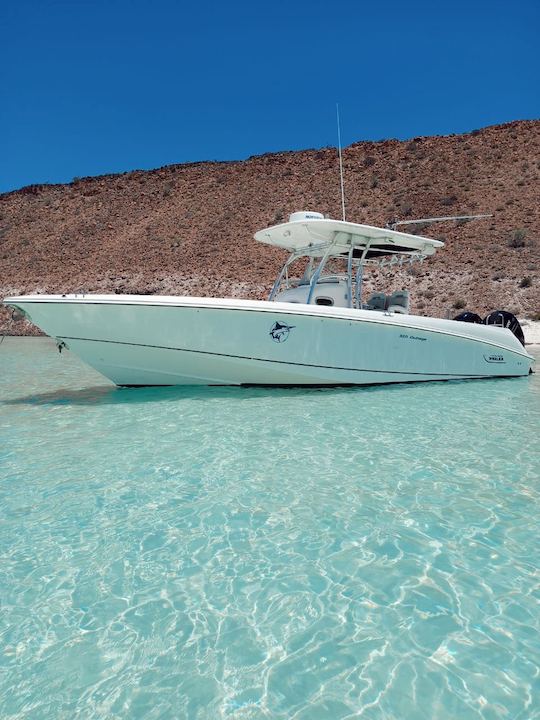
(99,86)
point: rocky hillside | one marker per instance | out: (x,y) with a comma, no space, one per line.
(187,229)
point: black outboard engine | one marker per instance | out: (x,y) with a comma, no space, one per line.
(469,317)
(502,318)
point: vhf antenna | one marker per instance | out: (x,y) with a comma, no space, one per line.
(340,163)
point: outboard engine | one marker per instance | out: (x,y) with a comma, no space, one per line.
(503,318)
(469,317)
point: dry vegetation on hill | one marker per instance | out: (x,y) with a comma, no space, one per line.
(188,229)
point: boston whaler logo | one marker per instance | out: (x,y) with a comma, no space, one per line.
(494,358)
(279,332)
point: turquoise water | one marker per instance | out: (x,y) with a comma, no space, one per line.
(253,553)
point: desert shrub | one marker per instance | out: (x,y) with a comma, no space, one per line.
(405,208)
(449,200)
(525,282)
(168,188)
(413,146)
(459,304)
(373,183)
(517,238)
(428,294)
(369,160)
(418,228)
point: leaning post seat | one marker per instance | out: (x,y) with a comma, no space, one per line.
(398,302)
(377,301)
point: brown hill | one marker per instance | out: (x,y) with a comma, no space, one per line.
(187,229)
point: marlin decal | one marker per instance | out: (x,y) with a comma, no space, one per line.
(280,331)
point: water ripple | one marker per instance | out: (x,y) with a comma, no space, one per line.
(196,553)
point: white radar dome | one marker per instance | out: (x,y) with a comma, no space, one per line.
(305,215)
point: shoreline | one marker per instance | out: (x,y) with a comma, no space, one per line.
(531,330)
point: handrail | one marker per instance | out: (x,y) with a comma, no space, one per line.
(349,277)
(316,275)
(279,278)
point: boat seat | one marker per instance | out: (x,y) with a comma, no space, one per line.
(398,302)
(377,301)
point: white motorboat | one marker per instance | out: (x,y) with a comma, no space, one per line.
(315,330)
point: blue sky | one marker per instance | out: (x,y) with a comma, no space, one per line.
(93,87)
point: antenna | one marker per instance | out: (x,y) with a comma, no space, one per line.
(340,163)
(393,225)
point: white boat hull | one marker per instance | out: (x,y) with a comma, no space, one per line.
(142,340)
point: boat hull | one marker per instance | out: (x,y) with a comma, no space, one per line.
(141,340)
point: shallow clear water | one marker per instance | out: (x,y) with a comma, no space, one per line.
(256,553)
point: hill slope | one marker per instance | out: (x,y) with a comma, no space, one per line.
(187,229)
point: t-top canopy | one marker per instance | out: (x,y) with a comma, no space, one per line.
(314,236)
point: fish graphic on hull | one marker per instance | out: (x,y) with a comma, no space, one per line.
(279,332)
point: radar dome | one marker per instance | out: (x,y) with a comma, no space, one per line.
(305,215)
